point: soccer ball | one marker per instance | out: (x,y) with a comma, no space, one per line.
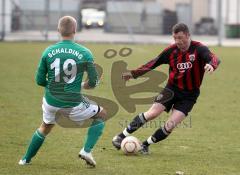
(130,145)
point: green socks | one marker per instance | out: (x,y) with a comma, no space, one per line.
(94,132)
(35,144)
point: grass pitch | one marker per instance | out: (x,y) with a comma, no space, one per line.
(208,144)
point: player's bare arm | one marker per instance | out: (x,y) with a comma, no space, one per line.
(127,76)
(85,85)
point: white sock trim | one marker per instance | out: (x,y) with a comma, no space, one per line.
(39,135)
(125,132)
(149,140)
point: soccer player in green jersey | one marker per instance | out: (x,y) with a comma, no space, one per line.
(60,71)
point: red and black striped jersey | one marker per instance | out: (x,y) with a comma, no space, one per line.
(186,69)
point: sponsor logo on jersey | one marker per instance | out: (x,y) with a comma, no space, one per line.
(182,67)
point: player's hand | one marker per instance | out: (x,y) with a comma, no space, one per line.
(126,76)
(208,68)
(85,85)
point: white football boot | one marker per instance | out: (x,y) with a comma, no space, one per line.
(87,157)
(23,162)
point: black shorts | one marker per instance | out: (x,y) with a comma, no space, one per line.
(183,101)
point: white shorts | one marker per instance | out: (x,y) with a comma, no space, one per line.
(78,113)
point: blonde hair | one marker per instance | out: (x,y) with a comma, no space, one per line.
(67,25)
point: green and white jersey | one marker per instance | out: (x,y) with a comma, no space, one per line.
(61,70)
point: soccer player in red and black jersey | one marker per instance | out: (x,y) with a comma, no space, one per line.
(188,60)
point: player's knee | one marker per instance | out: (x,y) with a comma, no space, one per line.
(102,113)
(170,125)
(45,128)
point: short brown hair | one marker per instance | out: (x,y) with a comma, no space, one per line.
(180,27)
(67,25)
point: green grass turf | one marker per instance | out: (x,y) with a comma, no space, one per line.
(209,147)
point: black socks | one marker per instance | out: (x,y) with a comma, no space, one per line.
(159,135)
(136,123)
